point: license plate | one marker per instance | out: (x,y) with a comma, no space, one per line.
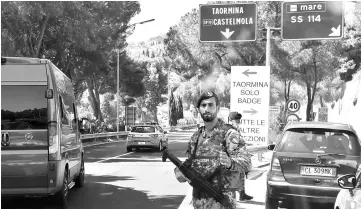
(141,142)
(317,171)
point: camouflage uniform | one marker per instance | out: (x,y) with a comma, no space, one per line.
(207,160)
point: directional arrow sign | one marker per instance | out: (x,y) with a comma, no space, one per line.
(227,34)
(252,111)
(250,93)
(228,22)
(246,72)
(312,20)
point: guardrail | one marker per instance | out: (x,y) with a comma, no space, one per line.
(88,137)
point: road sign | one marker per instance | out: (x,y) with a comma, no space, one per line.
(292,118)
(323,114)
(228,22)
(293,105)
(310,20)
(130,115)
(275,109)
(250,93)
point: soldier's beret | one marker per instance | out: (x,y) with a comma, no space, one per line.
(235,116)
(207,95)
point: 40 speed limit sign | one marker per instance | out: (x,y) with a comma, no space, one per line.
(293,105)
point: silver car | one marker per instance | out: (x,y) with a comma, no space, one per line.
(147,136)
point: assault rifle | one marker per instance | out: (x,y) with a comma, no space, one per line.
(196,181)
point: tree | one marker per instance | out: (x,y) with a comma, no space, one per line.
(79,37)
(313,61)
(351,44)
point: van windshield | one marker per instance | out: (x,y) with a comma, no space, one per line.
(23,107)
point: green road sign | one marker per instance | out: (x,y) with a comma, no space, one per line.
(228,22)
(312,20)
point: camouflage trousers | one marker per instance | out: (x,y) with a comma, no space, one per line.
(242,179)
(211,203)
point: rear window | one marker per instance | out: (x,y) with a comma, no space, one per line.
(23,107)
(143,129)
(320,141)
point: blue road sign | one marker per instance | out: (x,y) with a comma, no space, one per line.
(228,22)
(312,20)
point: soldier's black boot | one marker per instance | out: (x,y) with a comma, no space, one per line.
(244,197)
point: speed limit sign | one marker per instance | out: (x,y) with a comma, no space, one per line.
(293,105)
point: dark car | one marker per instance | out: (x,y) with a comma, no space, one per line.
(308,160)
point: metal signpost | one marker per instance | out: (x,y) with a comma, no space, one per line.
(311,20)
(250,93)
(228,22)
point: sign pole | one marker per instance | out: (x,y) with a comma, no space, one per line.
(268,47)
(118,92)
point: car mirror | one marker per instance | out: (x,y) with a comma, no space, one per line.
(271,147)
(347,181)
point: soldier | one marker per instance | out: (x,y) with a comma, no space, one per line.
(234,118)
(215,146)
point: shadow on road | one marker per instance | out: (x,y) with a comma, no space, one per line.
(100,193)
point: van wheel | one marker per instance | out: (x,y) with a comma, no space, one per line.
(62,195)
(129,149)
(79,181)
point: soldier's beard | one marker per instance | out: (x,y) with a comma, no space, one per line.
(208,117)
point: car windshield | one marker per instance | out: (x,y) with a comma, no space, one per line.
(143,129)
(320,141)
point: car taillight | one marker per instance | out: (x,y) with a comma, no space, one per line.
(276,171)
(53,141)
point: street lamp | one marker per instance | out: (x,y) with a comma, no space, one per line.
(117,50)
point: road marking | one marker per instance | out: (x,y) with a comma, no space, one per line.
(113,157)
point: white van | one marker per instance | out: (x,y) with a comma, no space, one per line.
(41,151)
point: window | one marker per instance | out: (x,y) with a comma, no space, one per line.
(143,129)
(64,115)
(23,107)
(320,141)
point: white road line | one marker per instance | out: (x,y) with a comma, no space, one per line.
(113,157)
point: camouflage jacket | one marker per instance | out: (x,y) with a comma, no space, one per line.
(207,154)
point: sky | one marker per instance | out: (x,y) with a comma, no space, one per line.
(166,14)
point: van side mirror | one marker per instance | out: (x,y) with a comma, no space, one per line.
(271,147)
(347,181)
(49,94)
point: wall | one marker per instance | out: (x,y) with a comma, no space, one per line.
(344,110)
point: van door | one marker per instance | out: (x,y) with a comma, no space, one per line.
(24,141)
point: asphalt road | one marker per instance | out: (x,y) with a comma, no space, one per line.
(117,179)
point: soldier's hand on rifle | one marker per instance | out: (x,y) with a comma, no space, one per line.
(225,160)
(180,177)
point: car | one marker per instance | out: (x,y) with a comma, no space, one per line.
(41,150)
(147,136)
(307,161)
(350,195)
